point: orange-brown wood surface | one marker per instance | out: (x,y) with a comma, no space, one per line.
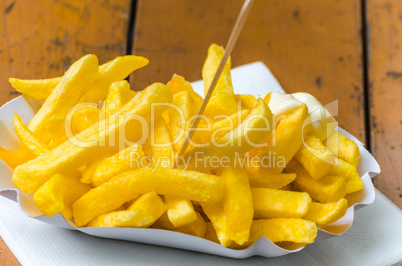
(42,40)
(6,256)
(312,46)
(385,74)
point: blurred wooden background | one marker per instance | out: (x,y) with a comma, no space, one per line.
(345,50)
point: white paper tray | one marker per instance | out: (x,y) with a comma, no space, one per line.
(258,80)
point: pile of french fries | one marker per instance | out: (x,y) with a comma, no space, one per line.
(104,155)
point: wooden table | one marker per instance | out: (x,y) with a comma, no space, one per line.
(345,50)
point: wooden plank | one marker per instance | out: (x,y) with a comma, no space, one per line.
(385,76)
(312,46)
(42,40)
(6,256)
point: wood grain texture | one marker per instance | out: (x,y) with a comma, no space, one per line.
(42,40)
(385,76)
(312,46)
(6,256)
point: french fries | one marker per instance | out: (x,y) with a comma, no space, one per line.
(113,164)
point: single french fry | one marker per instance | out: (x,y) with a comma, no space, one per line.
(289,130)
(37,89)
(222,100)
(161,145)
(149,203)
(211,64)
(343,147)
(178,119)
(326,189)
(237,204)
(135,218)
(119,93)
(272,203)
(116,70)
(315,157)
(14,158)
(283,229)
(75,81)
(349,172)
(58,195)
(271,181)
(28,140)
(178,84)
(246,101)
(40,89)
(325,213)
(217,216)
(180,211)
(70,155)
(122,188)
(106,168)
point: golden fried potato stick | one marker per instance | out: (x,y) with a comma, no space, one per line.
(142,213)
(272,203)
(283,229)
(178,84)
(222,100)
(58,195)
(37,89)
(288,131)
(325,213)
(180,211)
(178,118)
(349,172)
(71,155)
(14,158)
(344,148)
(271,181)
(149,203)
(329,188)
(315,157)
(235,144)
(119,93)
(211,64)
(106,168)
(246,101)
(217,216)
(27,138)
(122,188)
(135,218)
(161,145)
(237,204)
(116,70)
(75,81)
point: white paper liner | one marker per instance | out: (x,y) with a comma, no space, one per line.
(258,80)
